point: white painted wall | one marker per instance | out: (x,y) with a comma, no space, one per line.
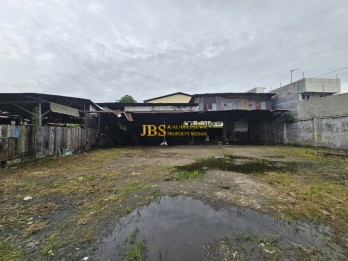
(322,85)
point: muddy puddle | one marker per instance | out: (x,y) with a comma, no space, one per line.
(246,165)
(182,228)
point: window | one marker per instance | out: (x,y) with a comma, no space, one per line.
(305,97)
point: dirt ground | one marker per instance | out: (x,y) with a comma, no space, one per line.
(75,201)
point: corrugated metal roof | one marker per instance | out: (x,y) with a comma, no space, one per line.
(168,95)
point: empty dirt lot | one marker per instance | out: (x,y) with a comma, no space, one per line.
(74,202)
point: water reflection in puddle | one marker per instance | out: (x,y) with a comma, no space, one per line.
(178,228)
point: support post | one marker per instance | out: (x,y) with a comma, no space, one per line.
(315,132)
(224,130)
(86,119)
(40,114)
(285,135)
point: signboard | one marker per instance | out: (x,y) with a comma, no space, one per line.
(174,130)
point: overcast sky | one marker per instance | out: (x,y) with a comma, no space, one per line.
(102,49)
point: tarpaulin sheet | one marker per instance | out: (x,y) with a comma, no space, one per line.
(55,107)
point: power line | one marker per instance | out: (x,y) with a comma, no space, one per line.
(331,72)
(321,75)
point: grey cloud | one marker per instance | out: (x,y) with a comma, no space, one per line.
(105,49)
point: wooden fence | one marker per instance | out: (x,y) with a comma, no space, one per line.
(18,142)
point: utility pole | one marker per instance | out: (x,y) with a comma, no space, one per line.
(291,73)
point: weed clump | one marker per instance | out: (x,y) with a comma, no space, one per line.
(9,251)
(34,228)
(188,174)
(137,249)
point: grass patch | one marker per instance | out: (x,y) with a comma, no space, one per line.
(326,200)
(310,254)
(267,240)
(273,156)
(248,241)
(137,249)
(129,188)
(275,178)
(68,187)
(187,174)
(312,195)
(306,153)
(61,238)
(52,244)
(34,228)
(10,252)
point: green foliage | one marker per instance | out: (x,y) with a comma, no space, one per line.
(133,236)
(137,249)
(127,99)
(35,118)
(288,118)
(131,187)
(188,174)
(73,125)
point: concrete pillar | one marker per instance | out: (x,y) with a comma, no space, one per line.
(315,132)
(285,135)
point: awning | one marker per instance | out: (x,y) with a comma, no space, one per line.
(55,107)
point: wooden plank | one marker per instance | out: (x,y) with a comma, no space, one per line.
(38,135)
(11,148)
(30,146)
(59,140)
(51,140)
(22,141)
(81,138)
(45,140)
(67,135)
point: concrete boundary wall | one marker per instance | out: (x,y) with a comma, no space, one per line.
(330,106)
(318,132)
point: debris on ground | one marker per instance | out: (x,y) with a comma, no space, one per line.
(66,152)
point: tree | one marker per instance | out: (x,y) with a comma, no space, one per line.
(127,99)
(35,117)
